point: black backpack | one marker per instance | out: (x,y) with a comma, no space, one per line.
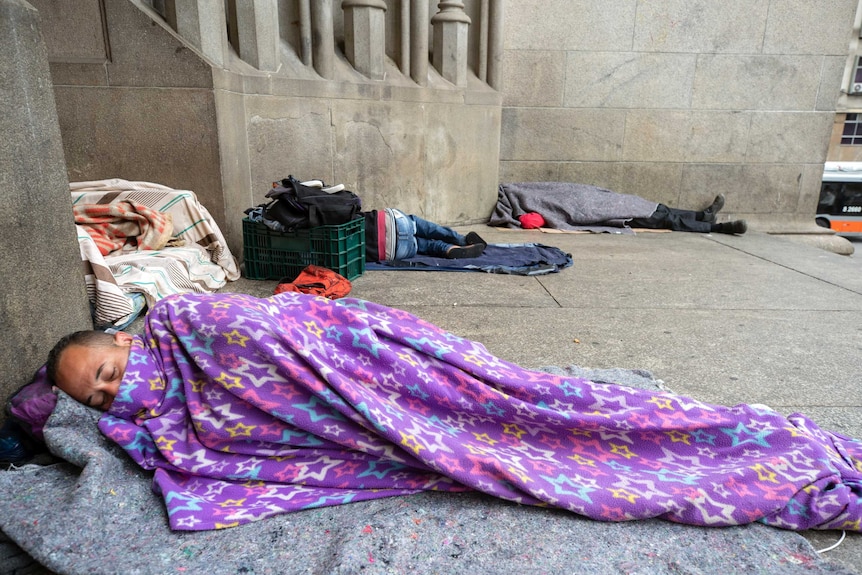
(295,205)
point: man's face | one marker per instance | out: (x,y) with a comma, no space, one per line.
(92,375)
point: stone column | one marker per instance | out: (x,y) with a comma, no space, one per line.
(482,72)
(305,32)
(365,36)
(202,24)
(405,37)
(323,38)
(42,292)
(419,42)
(495,44)
(257,32)
(451,25)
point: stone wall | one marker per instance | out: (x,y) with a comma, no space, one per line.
(402,147)
(672,100)
(138,102)
(132,100)
(41,279)
(677,100)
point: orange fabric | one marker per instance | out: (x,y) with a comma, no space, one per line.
(317,280)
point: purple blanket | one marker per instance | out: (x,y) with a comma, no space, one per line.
(251,407)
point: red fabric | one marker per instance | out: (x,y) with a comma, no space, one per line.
(532,220)
(317,280)
(381,235)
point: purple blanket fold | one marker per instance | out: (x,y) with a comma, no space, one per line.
(250,407)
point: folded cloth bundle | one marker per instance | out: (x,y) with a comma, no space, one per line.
(115,224)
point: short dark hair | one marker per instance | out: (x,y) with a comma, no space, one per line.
(86,338)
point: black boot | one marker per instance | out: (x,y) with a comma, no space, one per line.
(459,252)
(474,238)
(734,227)
(710,212)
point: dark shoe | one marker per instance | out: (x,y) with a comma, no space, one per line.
(459,252)
(734,227)
(474,238)
(710,212)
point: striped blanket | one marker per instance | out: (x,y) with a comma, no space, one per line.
(247,408)
(195,258)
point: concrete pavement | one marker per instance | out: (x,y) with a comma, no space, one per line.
(724,319)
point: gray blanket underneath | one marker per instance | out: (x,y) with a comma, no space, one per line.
(97,514)
(568,206)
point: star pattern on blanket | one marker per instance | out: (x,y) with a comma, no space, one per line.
(250,407)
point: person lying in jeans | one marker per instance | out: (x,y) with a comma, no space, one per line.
(390,235)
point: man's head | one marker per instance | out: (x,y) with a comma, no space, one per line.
(89,366)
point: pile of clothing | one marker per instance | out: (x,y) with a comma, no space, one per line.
(142,241)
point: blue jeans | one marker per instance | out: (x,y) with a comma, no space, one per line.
(421,237)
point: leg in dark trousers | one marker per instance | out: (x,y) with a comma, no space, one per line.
(665,218)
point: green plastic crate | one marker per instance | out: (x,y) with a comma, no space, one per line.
(271,255)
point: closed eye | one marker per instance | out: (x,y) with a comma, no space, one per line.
(92,403)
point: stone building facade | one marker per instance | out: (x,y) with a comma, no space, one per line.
(418,104)
(671,100)
(845,144)
(677,100)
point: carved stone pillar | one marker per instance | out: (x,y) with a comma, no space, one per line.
(404,56)
(495,44)
(323,38)
(202,24)
(365,36)
(451,25)
(258,35)
(419,41)
(305,32)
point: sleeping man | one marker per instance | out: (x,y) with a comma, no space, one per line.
(248,407)
(92,367)
(573,206)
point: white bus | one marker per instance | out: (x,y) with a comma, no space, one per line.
(840,206)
